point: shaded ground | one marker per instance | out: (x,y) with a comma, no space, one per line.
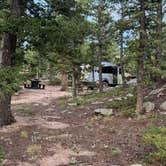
(51,134)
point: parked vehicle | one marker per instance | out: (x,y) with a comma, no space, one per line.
(111,74)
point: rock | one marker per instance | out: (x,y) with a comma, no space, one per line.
(136,165)
(157,91)
(160,94)
(164,86)
(163,106)
(36,104)
(163,113)
(50,109)
(132,82)
(125,98)
(104,112)
(118,98)
(97,102)
(45,104)
(110,100)
(148,106)
(129,95)
(72,104)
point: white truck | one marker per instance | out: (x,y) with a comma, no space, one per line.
(111,74)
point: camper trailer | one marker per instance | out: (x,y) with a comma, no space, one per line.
(111,74)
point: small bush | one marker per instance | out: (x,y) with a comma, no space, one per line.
(2,155)
(129,113)
(24,134)
(156,138)
(33,149)
(122,104)
(56,81)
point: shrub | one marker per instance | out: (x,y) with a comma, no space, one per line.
(2,155)
(24,134)
(129,112)
(122,104)
(56,81)
(156,138)
(33,149)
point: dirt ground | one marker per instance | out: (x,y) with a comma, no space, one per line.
(46,134)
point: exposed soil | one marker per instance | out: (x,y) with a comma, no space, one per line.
(47,135)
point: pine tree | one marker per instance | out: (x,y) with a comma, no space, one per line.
(140,58)
(8,40)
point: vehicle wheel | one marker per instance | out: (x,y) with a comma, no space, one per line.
(105,84)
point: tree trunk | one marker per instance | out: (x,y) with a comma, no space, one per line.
(7,60)
(159,37)
(74,84)
(100,70)
(100,43)
(141,55)
(122,44)
(7,51)
(51,73)
(121,57)
(93,74)
(64,82)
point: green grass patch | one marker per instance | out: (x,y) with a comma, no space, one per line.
(125,105)
(62,102)
(96,96)
(122,104)
(54,82)
(26,112)
(33,149)
(129,112)
(2,155)
(24,134)
(156,139)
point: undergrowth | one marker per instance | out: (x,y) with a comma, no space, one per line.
(2,156)
(155,138)
(96,96)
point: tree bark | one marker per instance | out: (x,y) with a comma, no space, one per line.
(122,44)
(64,82)
(121,56)
(100,43)
(74,84)
(140,64)
(159,37)
(100,69)
(7,61)
(7,51)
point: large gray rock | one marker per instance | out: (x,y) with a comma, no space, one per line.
(130,95)
(157,91)
(104,112)
(148,106)
(163,106)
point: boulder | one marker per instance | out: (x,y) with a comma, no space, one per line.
(136,165)
(129,95)
(148,106)
(163,106)
(160,94)
(118,98)
(110,100)
(157,91)
(104,112)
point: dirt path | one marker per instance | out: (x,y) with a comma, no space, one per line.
(36,137)
(48,135)
(38,96)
